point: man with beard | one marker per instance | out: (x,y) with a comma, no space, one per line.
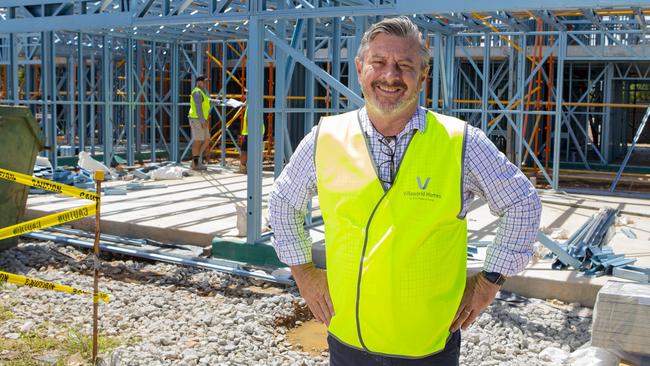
(395,182)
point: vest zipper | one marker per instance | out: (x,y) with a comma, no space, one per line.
(363,254)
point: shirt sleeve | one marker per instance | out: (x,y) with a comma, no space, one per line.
(288,202)
(510,196)
(198,102)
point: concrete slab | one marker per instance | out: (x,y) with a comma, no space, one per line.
(192,210)
(196,209)
(569,211)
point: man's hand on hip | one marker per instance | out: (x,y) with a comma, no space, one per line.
(312,283)
(478,295)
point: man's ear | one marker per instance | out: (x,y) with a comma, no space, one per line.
(359,64)
(424,74)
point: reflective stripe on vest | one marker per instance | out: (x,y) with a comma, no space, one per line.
(205,104)
(396,260)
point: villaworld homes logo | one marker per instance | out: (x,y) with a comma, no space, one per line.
(424,191)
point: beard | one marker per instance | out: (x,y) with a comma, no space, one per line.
(386,106)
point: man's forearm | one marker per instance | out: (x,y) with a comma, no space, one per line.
(291,243)
(513,243)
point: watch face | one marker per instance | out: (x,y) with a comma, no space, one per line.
(494,277)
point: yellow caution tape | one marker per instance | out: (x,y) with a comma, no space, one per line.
(47,221)
(47,185)
(26,281)
(53,219)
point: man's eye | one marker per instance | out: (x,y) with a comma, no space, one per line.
(405,66)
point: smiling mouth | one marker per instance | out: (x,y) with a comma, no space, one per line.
(389,89)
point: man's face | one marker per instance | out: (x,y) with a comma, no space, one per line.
(391,74)
(200,84)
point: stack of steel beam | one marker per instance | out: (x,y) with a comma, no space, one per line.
(587,252)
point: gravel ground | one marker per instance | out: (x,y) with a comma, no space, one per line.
(163,314)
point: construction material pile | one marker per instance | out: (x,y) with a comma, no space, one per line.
(587,251)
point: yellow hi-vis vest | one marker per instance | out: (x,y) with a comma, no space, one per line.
(205,104)
(396,259)
(244,129)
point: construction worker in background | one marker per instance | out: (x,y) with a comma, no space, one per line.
(395,182)
(199,113)
(243,154)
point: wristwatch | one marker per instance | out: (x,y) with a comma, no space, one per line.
(494,277)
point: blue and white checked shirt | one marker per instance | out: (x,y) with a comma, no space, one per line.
(487,173)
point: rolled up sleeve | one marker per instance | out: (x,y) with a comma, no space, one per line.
(288,202)
(510,196)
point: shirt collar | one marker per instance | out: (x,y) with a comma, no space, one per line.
(416,122)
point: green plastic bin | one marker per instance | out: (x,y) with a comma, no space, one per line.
(20,141)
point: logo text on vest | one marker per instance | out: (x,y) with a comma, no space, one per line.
(426,183)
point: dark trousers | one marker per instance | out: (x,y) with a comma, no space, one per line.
(343,355)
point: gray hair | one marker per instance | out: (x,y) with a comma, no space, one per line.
(401,27)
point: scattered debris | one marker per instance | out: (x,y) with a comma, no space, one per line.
(168,172)
(629,232)
(624,220)
(555,233)
(87,162)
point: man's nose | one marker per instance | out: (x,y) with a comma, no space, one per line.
(392,71)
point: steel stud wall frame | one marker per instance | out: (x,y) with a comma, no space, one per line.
(553,83)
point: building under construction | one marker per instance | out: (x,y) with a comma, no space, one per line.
(562,88)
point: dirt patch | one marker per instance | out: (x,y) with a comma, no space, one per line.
(270,290)
(310,336)
(300,313)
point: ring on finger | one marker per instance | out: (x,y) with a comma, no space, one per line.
(467,311)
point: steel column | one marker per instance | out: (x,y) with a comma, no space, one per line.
(562,44)
(335,52)
(71,131)
(154,101)
(107,89)
(224,115)
(435,72)
(175,123)
(486,82)
(81,92)
(254,97)
(280,124)
(13,68)
(130,109)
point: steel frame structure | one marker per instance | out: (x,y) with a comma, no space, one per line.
(546,80)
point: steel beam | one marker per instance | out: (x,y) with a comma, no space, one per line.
(319,72)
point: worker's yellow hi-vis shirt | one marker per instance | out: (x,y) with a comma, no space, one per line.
(205,104)
(396,259)
(244,129)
